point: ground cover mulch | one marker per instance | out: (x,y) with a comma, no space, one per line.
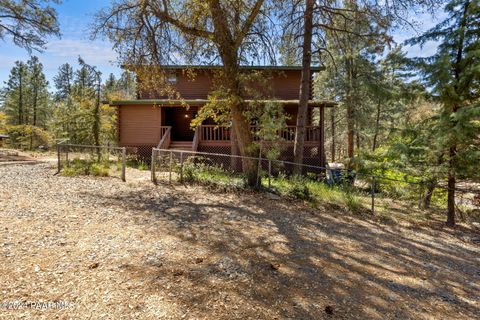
(99,248)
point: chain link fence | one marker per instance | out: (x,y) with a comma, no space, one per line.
(74,159)
(168,166)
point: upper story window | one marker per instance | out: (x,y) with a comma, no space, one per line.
(172,78)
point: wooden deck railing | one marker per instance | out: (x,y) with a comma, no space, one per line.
(165,137)
(214,133)
(312,133)
(221,133)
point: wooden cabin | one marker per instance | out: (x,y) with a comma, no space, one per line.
(154,120)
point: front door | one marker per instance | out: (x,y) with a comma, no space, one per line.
(179,119)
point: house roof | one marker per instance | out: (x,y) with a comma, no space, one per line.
(4,136)
(244,67)
(201,102)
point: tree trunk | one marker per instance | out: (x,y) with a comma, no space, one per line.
(304,86)
(96,120)
(451,189)
(20,97)
(456,108)
(357,134)
(377,128)
(350,110)
(228,49)
(34,106)
(427,198)
(332,120)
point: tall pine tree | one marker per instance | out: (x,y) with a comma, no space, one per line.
(15,92)
(454,76)
(38,96)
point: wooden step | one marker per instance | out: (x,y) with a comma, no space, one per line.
(181,145)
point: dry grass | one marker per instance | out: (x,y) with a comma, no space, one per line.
(133,251)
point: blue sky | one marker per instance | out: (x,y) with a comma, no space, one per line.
(76,15)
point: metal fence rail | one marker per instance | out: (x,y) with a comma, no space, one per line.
(88,159)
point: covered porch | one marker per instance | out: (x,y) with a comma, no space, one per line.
(166,124)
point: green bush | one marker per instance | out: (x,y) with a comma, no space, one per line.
(27,137)
(78,167)
(352,202)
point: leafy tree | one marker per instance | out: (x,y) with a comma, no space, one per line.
(149,33)
(356,24)
(28,22)
(453,73)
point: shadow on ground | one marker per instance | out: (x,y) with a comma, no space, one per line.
(247,256)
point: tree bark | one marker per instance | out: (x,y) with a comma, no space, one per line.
(377,128)
(427,197)
(451,188)
(20,97)
(304,86)
(350,110)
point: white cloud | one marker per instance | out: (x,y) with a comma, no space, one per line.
(93,52)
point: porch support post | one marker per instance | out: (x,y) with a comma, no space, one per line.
(321,148)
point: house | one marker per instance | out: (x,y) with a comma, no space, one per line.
(154,120)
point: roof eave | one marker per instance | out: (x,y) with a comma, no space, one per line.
(201,102)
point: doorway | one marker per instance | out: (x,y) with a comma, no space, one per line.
(179,119)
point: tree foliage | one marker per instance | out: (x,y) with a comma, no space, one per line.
(28,22)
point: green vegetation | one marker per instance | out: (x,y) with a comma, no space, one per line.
(315,192)
(79,167)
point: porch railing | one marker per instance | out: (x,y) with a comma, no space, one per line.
(214,133)
(165,137)
(211,133)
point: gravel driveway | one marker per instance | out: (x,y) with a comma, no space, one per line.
(98,248)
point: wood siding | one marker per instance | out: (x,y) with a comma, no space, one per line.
(285,85)
(139,125)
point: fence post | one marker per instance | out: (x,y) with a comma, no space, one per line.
(259,169)
(181,167)
(152,166)
(170,169)
(373,194)
(59,165)
(269,174)
(124,163)
(66,156)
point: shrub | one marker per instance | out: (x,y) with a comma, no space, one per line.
(79,167)
(352,202)
(99,169)
(298,189)
(28,137)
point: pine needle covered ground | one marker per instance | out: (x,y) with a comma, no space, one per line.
(114,250)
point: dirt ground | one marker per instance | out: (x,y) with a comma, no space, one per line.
(104,249)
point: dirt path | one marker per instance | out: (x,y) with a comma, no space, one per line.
(113,250)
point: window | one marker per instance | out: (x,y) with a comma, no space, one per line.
(172,78)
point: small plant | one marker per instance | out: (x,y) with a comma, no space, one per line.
(99,169)
(352,202)
(298,189)
(78,167)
